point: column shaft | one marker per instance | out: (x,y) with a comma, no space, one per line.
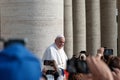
(118,7)
(68,27)
(109,24)
(93,26)
(79,26)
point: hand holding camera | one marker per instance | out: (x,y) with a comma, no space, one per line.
(49,62)
(78,64)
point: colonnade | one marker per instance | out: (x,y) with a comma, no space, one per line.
(95,25)
(86,24)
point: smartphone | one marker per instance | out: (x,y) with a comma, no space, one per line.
(108,52)
(49,62)
(76,65)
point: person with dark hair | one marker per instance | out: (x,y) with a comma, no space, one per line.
(19,63)
(114,65)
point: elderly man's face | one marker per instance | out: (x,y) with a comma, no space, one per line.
(60,42)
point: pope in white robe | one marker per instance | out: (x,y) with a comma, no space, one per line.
(55,52)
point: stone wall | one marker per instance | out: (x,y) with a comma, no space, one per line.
(40,21)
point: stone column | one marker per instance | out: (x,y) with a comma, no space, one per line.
(1,43)
(109,24)
(68,27)
(0,21)
(118,7)
(79,26)
(93,26)
(40,21)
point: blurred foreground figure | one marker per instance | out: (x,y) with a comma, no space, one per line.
(99,69)
(18,63)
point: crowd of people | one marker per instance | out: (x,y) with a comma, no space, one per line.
(19,63)
(101,66)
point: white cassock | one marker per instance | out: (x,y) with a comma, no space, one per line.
(54,53)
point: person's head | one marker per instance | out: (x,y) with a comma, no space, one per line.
(19,63)
(114,62)
(59,41)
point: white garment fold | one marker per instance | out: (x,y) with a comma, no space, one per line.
(53,53)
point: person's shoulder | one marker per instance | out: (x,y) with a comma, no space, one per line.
(51,46)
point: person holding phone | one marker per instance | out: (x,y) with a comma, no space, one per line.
(56,53)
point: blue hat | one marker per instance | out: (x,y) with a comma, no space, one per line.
(18,63)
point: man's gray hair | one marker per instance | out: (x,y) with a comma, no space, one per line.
(60,36)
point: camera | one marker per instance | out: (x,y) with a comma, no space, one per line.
(49,62)
(81,66)
(75,65)
(51,72)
